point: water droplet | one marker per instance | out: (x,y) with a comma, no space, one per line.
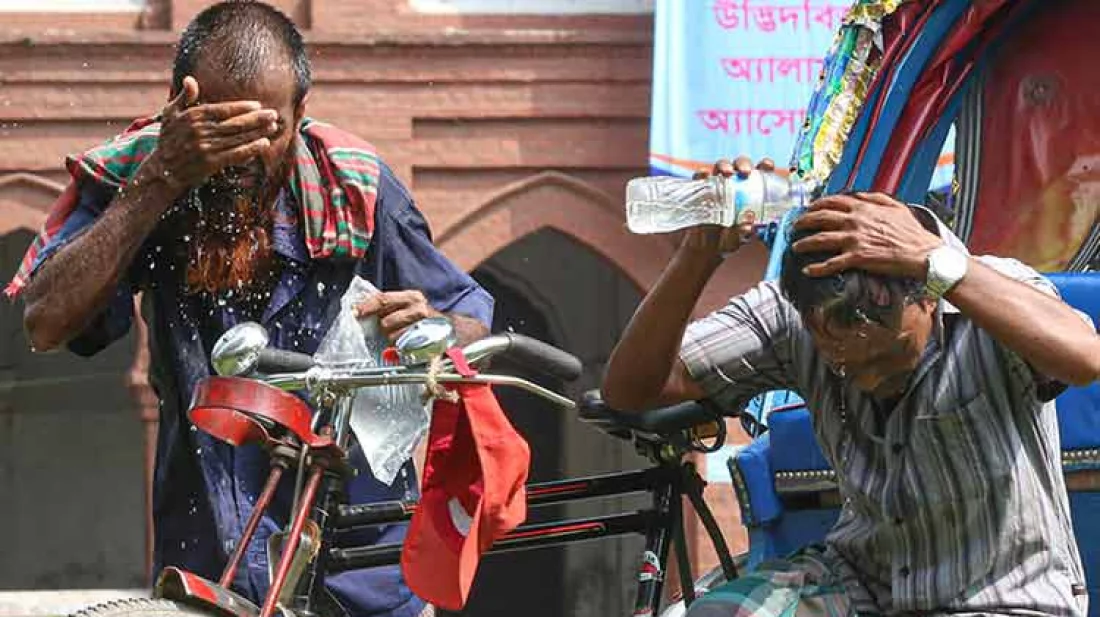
(85,65)
(152,265)
(221,302)
(320,288)
(186,238)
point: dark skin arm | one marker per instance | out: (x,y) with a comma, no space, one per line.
(645,370)
(75,284)
(876,233)
(467,328)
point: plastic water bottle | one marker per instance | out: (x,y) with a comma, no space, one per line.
(660,204)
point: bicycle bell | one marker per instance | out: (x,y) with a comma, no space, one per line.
(426,339)
(238,350)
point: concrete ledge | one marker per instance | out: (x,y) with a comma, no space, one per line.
(60,601)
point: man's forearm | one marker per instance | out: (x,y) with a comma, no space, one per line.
(640,370)
(1044,331)
(467,329)
(74,285)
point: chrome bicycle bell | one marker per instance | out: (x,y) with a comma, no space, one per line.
(238,350)
(426,339)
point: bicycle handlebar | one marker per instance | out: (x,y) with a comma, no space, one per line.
(273,360)
(531,353)
(305,373)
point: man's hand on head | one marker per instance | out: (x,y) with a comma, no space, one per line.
(867,231)
(198,140)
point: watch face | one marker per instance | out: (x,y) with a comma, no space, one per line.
(956,264)
(946,267)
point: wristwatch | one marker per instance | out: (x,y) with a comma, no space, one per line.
(946,267)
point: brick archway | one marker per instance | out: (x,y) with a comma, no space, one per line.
(561,202)
(24,199)
(18,216)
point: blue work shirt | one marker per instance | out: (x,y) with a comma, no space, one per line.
(204,489)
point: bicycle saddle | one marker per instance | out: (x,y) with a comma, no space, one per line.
(660,421)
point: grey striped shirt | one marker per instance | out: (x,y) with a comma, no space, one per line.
(956,502)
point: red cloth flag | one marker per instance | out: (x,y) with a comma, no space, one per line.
(473,493)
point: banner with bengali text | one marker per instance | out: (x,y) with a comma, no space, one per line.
(734,77)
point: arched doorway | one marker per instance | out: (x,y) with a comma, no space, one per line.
(71,454)
(549,286)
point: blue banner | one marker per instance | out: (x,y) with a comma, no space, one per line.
(734,77)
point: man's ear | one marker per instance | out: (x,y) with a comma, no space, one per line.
(300,110)
(928,305)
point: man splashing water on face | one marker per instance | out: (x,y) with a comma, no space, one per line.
(231,205)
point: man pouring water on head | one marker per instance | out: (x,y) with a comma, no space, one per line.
(929,375)
(230,205)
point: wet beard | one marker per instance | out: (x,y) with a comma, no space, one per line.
(231,249)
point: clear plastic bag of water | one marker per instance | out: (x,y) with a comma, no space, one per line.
(387,421)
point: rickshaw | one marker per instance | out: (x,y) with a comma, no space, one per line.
(1009,82)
